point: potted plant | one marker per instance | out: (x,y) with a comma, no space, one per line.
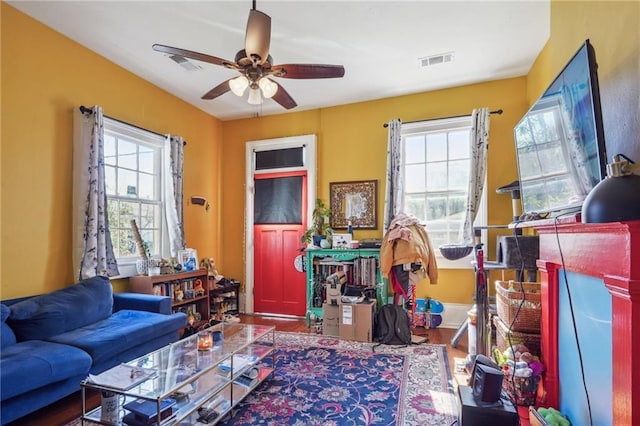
(320,228)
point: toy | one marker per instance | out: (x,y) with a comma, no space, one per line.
(554,417)
(178,294)
(518,361)
(198,289)
(210,265)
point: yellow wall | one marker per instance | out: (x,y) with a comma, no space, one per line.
(613,28)
(44,76)
(352,146)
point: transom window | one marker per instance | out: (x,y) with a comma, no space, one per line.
(133,175)
(436,167)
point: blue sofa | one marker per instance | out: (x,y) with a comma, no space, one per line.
(50,343)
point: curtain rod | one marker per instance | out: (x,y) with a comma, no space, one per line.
(498,111)
(85,110)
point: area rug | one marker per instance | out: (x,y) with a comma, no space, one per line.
(322,380)
(326,381)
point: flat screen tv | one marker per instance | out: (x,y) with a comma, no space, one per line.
(560,141)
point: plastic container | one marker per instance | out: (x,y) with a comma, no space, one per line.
(472,330)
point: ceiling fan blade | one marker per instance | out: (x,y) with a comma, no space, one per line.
(257,38)
(193,55)
(284,98)
(219,90)
(307,71)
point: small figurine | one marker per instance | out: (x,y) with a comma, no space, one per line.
(198,289)
(210,265)
(178,294)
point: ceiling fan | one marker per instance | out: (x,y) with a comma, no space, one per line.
(255,65)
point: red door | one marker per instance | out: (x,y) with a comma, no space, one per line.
(279,222)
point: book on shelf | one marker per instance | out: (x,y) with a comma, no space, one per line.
(131,419)
(240,361)
(122,377)
(147,411)
(246,381)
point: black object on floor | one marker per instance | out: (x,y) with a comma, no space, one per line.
(472,413)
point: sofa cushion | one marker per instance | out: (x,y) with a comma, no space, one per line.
(44,316)
(6,334)
(121,331)
(30,365)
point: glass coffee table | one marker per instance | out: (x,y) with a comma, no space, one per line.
(199,378)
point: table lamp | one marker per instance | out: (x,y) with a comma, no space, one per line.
(617,197)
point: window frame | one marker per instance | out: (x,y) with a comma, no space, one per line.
(127,265)
(440,126)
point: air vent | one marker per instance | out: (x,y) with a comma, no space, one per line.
(441,58)
(185,63)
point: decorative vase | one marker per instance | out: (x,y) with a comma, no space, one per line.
(142,266)
(317,240)
(325,243)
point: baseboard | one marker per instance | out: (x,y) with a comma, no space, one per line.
(454,314)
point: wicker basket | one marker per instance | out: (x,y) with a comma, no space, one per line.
(504,337)
(521,390)
(519,310)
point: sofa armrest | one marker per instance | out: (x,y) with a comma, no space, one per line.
(142,302)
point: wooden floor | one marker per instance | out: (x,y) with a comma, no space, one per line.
(70,408)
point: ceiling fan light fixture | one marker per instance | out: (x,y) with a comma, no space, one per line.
(238,85)
(254,96)
(269,88)
(257,38)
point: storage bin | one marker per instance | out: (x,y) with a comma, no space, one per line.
(521,310)
(505,337)
(521,390)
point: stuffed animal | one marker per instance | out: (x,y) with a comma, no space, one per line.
(210,265)
(554,417)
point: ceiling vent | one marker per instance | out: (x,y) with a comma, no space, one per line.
(441,58)
(185,63)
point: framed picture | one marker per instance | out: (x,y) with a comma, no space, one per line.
(354,202)
(188,258)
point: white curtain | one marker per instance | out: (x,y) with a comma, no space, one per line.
(395,181)
(92,248)
(174,162)
(479,142)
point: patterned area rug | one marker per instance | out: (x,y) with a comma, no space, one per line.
(322,380)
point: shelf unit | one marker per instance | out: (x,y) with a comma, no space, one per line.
(166,285)
(194,378)
(224,299)
(362,267)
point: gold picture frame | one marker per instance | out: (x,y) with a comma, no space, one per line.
(354,201)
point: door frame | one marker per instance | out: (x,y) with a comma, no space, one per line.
(309,165)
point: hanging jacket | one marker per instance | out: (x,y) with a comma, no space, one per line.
(407,241)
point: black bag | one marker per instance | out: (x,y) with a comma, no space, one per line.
(392,326)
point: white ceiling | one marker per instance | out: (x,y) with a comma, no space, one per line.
(379,43)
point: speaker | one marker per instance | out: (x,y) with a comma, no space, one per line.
(486,383)
(471,413)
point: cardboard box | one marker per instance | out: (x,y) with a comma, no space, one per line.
(334,293)
(356,321)
(330,320)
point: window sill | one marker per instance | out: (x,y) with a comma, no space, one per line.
(127,269)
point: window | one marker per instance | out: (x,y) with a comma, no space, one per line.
(133,173)
(436,167)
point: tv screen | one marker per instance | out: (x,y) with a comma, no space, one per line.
(560,141)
